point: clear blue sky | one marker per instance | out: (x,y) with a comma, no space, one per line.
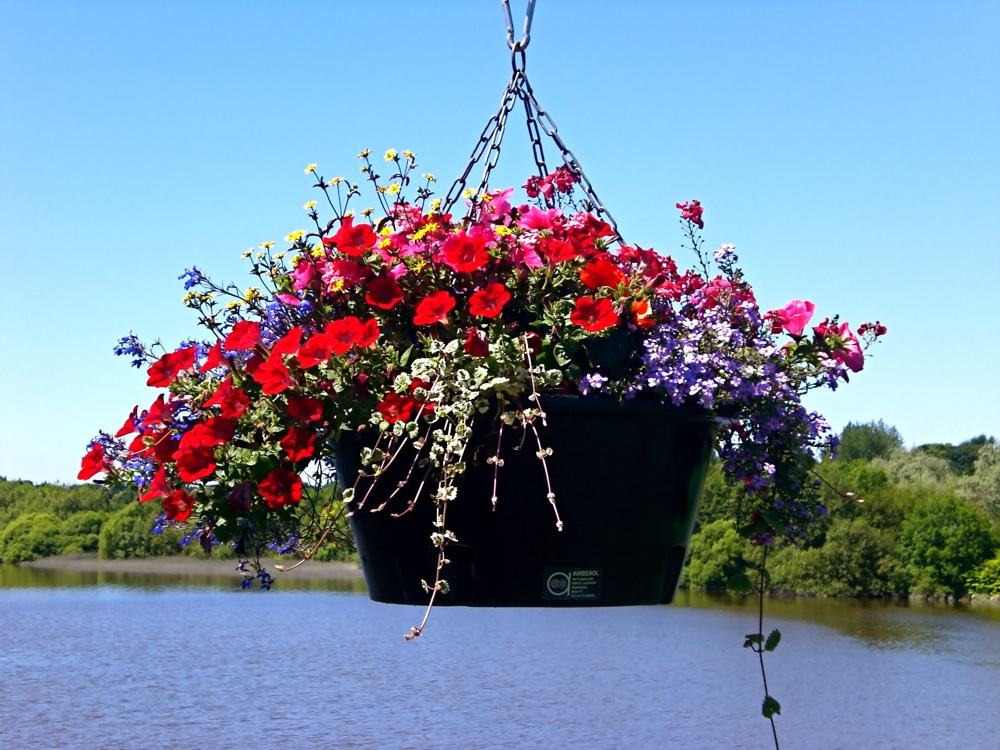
(850,150)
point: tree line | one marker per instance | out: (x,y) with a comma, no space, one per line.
(923,521)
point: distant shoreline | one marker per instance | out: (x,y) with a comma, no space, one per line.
(183,565)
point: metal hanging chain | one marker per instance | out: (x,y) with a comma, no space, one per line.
(521,45)
(490,139)
(538,121)
(569,158)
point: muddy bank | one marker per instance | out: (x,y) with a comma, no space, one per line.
(182,565)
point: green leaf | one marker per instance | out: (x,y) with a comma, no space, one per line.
(773,639)
(562,353)
(740,583)
(770,707)
(752,639)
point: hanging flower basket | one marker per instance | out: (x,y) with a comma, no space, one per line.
(628,480)
(512,405)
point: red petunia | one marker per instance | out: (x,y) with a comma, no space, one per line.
(343,334)
(353,240)
(214,358)
(231,401)
(158,488)
(602,272)
(166,369)
(434,308)
(93,463)
(477,343)
(464,254)
(178,506)
(245,335)
(287,344)
(593,314)
(384,292)
(273,376)
(304,408)
(299,444)
(213,431)
(489,301)
(396,408)
(131,424)
(314,351)
(281,487)
(195,463)
(558,251)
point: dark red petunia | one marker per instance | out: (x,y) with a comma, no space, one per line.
(232,402)
(214,358)
(166,369)
(434,308)
(488,302)
(195,463)
(602,272)
(477,343)
(369,333)
(593,314)
(160,411)
(93,463)
(464,254)
(273,376)
(178,506)
(304,408)
(299,444)
(158,488)
(245,335)
(396,408)
(384,292)
(353,240)
(281,487)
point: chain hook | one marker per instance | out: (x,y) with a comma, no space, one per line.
(522,44)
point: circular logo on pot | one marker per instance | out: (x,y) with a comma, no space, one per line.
(558,584)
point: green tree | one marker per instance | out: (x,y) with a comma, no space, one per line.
(961,458)
(983,487)
(942,540)
(868,441)
(81,531)
(916,467)
(985,579)
(31,536)
(716,553)
(128,533)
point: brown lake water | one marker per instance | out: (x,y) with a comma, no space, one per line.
(111,661)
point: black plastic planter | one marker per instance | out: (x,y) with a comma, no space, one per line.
(627,479)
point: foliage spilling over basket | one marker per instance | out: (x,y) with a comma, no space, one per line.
(405,323)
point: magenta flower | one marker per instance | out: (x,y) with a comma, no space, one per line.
(793,317)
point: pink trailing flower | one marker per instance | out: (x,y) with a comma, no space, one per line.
(793,317)
(691,211)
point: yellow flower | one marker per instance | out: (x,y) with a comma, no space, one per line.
(409,155)
(233,305)
(468,193)
(430,178)
(436,204)
(317,251)
(364,154)
(368,212)
(385,231)
(390,154)
(311,168)
(189,296)
(422,232)
(337,285)
(501,230)
(266,245)
(384,243)
(393,189)
(295,236)
(248,253)
(251,294)
(279,256)
(336,181)
(310,206)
